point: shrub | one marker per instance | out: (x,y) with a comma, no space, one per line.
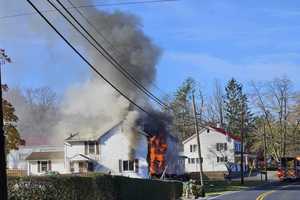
(94,187)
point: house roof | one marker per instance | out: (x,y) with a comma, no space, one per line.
(77,137)
(227,133)
(54,155)
(219,130)
(80,157)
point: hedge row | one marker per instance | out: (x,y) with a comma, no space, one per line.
(98,187)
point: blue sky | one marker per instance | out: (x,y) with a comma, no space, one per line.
(204,39)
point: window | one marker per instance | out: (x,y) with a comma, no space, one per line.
(44,166)
(128,165)
(222,159)
(189,160)
(92,147)
(193,148)
(192,160)
(207,130)
(221,146)
(197,160)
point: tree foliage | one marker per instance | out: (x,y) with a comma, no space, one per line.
(236,108)
(12,136)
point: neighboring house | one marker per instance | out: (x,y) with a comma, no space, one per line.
(16,159)
(218,149)
(42,162)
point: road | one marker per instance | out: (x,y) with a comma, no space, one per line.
(275,191)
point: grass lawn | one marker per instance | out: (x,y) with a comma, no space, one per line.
(219,187)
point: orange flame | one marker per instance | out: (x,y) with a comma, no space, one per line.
(157,150)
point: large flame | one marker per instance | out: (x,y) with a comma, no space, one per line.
(157,150)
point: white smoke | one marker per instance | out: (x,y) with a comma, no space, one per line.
(92,105)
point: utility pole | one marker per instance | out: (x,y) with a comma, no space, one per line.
(242,144)
(3,177)
(199,145)
(265,154)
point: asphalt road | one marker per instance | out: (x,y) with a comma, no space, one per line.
(274,191)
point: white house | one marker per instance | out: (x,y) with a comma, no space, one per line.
(117,151)
(218,148)
(16,159)
(109,152)
(42,162)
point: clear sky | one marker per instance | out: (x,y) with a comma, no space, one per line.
(204,39)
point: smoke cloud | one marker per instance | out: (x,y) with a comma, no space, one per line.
(91,106)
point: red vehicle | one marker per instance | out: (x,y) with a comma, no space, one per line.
(289,168)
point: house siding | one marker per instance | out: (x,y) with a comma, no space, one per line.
(208,140)
(115,146)
(56,165)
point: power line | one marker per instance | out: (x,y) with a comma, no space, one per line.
(106,54)
(104,38)
(84,59)
(127,74)
(91,6)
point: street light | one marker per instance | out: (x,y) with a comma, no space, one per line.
(3,181)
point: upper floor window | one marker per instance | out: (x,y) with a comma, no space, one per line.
(91,147)
(193,148)
(222,159)
(221,146)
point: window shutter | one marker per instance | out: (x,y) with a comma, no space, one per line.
(49,165)
(39,166)
(97,148)
(120,166)
(218,147)
(136,165)
(85,148)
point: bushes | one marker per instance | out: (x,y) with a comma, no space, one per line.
(97,187)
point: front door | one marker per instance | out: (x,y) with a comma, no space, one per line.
(82,167)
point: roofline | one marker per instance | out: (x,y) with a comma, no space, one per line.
(216,129)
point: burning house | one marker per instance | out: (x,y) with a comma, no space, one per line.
(95,109)
(119,152)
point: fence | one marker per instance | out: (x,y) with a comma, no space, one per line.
(16,172)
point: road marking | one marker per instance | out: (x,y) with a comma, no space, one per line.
(264,194)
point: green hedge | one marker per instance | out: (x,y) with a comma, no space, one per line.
(96,187)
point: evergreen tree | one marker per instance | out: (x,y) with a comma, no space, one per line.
(182,109)
(236,104)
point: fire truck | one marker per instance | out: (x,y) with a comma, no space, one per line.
(289,168)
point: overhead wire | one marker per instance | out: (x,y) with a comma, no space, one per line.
(113,61)
(91,6)
(105,39)
(85,59)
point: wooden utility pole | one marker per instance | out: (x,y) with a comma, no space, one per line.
(3,177)
(242,144)
(265,154)
(198,142)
